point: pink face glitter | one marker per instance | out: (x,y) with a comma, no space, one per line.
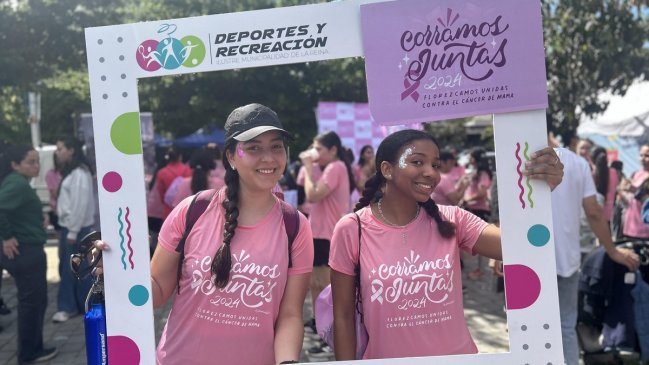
(240,152)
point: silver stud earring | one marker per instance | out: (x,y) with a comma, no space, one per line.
(234,168)
(388,176)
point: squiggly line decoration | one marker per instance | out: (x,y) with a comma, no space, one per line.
(520,174)
(121,235)
(527,179)
(527,146)
(130,239)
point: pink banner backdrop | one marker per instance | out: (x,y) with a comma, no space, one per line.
(354,125)
(435,60)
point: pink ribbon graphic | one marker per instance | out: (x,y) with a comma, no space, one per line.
(411,89)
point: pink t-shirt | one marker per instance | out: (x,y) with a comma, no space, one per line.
(185,188)
(166,176)
(609,202)
(483,182)
(326,213)
(233,325)
(633,225)
(53,180)
(316,172)
(412,291)
(457,173)
(446,186)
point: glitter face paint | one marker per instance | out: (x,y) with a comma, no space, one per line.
(402,160)
(240,152)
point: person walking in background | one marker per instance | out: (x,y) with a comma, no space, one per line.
(219,171)
(606,180)
(75,207)
(450,190)
(53,180)
(476,195)
(399,221)
(202,165)
(23,237)
(632,222)
(584,147)
(364,169)
(330,195)
(165,176)
(576,192)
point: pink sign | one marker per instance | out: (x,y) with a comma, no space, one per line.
(354,125)
(434,60)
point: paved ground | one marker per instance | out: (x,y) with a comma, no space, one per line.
(483,309)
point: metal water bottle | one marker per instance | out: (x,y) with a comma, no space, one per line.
(95,324)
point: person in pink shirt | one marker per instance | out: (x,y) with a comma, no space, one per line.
(476,196)
(410,277)
(364,169)
(239,302)
(166,175)
(316,172)
(330,197)
(53,180)
(202,164)
(633,225)
(450,190)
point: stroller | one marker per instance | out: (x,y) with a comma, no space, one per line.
(607,327)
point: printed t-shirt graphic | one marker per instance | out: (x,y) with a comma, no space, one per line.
(412,291)
(208,323)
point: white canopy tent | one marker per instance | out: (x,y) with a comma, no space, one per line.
(623,127)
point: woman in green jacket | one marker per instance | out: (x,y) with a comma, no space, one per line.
(23,236)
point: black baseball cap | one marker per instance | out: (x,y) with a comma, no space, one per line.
(248,121)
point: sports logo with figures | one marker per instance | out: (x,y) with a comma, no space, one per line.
(170,53)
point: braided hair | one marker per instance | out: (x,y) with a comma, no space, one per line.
(222,262)
(389,150)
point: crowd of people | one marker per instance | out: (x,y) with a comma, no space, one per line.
(410,201)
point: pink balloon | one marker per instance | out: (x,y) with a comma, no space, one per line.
(522,286)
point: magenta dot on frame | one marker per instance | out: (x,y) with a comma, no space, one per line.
(522,286)
(122,350)
(112,181)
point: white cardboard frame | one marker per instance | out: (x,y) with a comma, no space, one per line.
(525,211)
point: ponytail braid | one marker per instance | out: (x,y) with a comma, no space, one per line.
(222,262)
(445,228)
(371,192)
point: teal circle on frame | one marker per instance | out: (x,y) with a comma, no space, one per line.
(138,295)
(538,235)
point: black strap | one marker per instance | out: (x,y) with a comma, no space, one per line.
(291,225)
(357,271)
(196,208)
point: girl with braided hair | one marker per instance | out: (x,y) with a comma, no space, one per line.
(410,278)
(241,292)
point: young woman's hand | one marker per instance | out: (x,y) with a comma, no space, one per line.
(545,165)
(98,247)
(10,248)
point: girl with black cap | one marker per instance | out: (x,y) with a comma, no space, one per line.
(241,291)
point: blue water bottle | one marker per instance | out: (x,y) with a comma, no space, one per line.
(95,324)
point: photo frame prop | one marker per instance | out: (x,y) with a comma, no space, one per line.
(119,55)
